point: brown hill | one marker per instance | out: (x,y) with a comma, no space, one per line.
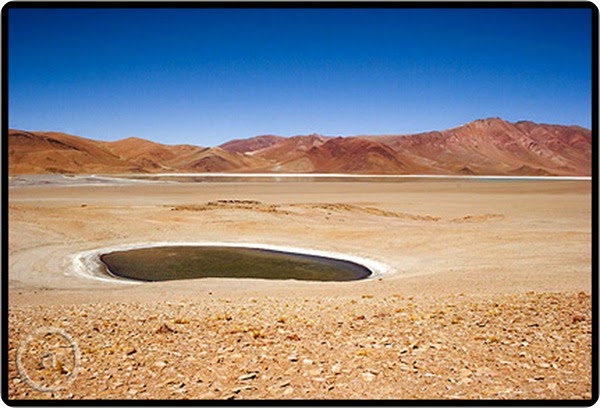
(251,144)
(495,146)
(47,152)
(50,152)
(486,147)
(292,148)
(348,155)
(215,159)
(144,153)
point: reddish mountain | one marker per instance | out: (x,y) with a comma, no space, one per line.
(486,147)
(144,153)
(159,157)
(347,155)
(46,152)
(251,144)
(50,152)
(291,148)
(215,159)
(494,146)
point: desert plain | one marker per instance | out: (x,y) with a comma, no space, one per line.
(486,291)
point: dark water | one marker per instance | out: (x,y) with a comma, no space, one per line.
(192,262)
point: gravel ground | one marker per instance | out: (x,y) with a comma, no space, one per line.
(486,292)
(534,345)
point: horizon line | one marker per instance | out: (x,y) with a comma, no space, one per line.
(309,134)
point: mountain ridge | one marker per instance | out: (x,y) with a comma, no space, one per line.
(489,146)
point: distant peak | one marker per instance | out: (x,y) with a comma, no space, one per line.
(316,136)
(486,122)
(491,120)
(132,139)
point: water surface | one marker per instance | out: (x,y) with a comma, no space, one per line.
(193,262)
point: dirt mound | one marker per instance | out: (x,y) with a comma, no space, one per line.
(337,207)
(478,218)
(230,205)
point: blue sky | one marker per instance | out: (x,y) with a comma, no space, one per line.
(208,76)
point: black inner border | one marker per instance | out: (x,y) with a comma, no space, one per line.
(301,4)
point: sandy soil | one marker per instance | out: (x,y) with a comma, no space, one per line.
(486,295)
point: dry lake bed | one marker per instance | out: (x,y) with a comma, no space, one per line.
(482,289)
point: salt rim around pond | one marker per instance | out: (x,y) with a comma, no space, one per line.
(87,264)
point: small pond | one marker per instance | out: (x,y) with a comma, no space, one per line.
(193,262)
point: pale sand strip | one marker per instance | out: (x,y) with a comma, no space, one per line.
(344,175)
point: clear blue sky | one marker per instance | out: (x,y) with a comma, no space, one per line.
(208,76)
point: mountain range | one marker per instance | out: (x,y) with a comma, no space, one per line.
(483,147)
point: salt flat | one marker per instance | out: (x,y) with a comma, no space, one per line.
(474,265)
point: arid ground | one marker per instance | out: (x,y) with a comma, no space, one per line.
(487,293)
